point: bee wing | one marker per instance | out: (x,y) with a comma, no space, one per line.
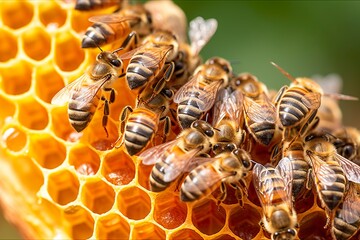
(331,83)
(200,33)
(195,162)
(322,171)
(188,86)
(351,170)
(112,18)
(229,104)
(284,169)
(265,112)
(152,155)
(179,165)
(311,100)
(63,96)
(350,210)
(264,196)
(155,55)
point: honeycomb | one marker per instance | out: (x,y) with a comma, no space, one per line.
(57,183)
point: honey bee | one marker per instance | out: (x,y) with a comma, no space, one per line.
(259,111)
(347,216)
(226,167)
(273,187)
(331,172)
(173,158)
(111,27)
(84,93)
(138,127)
(87,5)
(295,104)
(227,119)
(198,95)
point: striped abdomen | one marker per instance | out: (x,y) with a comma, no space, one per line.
(140,71)
(140,128)
(100,34)
(80,117)
(275,189)
(188,110)
(263,132)
(343,230)
(291,108)
(299,166)
(198,183)
(332,195)
(157,182)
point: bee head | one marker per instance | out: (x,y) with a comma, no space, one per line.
(284,235)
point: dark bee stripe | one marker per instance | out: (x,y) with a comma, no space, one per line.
(263,131)
(292,109)
(157,182)
(333,194)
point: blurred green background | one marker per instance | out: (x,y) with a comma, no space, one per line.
(304,38)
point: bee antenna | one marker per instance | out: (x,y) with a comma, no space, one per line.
(118,49)
(286,74)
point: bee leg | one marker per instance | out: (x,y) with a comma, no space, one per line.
(112,94)
(308,180)
(123,117)
(159,86)
(223,193)
(130,42)
(179,182)
(239,193)
(105,116)
(166,128)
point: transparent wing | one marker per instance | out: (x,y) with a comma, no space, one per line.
(331,83)
(264,112)
(197,161)
(113,18)
(322,171)
(200,33)
(351,170)
(178,164)
(152,155)
(206,94)
(284,169)
(64,95)
(350,210)
(264,196)
(312,100)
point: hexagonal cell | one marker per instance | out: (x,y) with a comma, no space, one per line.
(61,125)
(84,160)
(36,43)
(32,114)
(308,229)
(26,170)
(51,14)
(80,21)
(68,54)
(13,139)
(134,203)
(48,82)
(305,203)
(185,234)
(144,174)
(112,226)
(16,14)
(118,168)
(8,46)
(147,231)
(224,237)
(98,196)
(79,223)
(7,110)
(169,211)
(244,222)
(16,79)
(63,187)
(208,217)
(46,150)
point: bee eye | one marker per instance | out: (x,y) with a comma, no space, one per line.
(115,62)
(226,69)
(246,164)
(209,132)
(348,151)
(291,231)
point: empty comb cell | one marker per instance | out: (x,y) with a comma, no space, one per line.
(134,203)
(79,223)
(112,226)
(16,14)
(63,187)
(8,46)
(84,159)
(16,79)
(97,196)
(36,43)
(51,14)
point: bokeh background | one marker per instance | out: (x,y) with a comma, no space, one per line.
(304,38)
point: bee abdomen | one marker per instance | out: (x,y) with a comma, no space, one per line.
(333,195)
(157,182)
(80,117)
(188,110)
(300,172)
(292,110)
(195,185)
(137,74)
(138,132)
(97,35)
(264,131)
(343,230)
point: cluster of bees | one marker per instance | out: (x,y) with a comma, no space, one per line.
(223,121)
